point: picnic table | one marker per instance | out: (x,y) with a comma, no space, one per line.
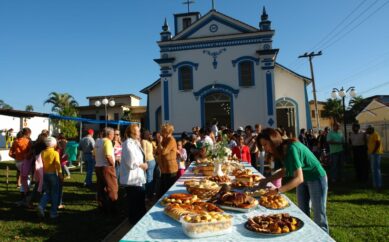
(157,226)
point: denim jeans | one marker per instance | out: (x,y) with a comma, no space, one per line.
(336,166)
(316,193)
(50,192)
(150,179)
(375,164)
(90,166)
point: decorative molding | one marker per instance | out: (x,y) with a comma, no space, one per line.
(214,55)
(244,58)
(213,28)
(216,43)
(164,60)
(185,63)
(216,88)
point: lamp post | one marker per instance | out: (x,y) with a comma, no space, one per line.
(105,102)
(342,93)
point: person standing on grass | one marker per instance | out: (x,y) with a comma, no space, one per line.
(117,150)
(52,177)
(133,174)
(72,151)
(375,151)
(21,152)
(148,150)
(107,184)
(87,145)
(63,157)
(358,142)
(307,175)
(335,140)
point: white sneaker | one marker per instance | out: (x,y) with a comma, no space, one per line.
(41,212)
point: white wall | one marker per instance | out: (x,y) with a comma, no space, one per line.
(154,103)
(221,30)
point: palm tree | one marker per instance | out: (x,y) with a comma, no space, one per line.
(62,102)
(4,105)
(29,108)
(333,109)
(355,106)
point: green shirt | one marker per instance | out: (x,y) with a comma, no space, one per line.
(336,137)
(299,156)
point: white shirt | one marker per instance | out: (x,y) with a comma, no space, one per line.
(358,139)
(132,156)
(215,130)
(208,140)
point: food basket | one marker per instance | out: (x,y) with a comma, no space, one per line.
(206,229)
(203,193)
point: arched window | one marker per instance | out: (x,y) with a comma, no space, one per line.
(246,73)
(185,78)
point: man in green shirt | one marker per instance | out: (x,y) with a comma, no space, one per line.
(335,140)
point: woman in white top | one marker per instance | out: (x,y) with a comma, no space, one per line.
(132,173)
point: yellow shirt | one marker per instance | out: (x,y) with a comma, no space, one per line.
(51,162)
(371,143)
(148,149)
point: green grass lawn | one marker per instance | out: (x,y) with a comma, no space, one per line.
(357,213)
(354,213)
(79,221)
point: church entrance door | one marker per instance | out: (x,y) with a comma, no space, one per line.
(286,116)
(217,107)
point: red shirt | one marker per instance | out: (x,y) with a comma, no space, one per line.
(243,155)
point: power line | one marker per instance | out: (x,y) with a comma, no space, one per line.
(338,25)
(349,31)
(373,88)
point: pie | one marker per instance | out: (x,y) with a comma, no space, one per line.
(274,224)
(175,210)
(273,201)
(179,198)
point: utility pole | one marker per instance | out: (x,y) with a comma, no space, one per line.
(310,56)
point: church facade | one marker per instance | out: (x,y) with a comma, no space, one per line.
(217,68)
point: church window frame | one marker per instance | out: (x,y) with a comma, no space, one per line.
(185,80)
(246,77)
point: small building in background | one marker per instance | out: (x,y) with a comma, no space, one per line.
(126,106)
(324,122)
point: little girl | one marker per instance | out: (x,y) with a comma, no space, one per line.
(181,158)
(63,160)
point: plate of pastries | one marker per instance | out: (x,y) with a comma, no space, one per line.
(256,192)
(179,198)
(273,201)
(237,201)
(175,210)
(274,224)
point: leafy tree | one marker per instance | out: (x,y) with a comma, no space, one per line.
(126,115)
(333,110)
(4,105)
(29,108)
(355,106)
(64,104)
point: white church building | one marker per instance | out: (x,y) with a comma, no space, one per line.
(217,68)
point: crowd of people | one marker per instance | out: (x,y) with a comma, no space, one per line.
(146,165)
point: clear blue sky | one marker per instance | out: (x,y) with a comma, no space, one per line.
(100,47)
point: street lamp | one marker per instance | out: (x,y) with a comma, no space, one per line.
(342,94)
(105,102)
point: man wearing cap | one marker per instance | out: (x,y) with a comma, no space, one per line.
(87,145)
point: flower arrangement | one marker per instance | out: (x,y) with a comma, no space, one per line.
(220,151)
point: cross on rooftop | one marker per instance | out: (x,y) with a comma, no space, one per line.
(188,2)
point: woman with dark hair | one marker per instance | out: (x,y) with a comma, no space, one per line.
(308,176)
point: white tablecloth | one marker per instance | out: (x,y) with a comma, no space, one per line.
(157,226)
